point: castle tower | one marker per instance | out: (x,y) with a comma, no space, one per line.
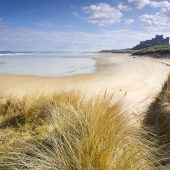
(158,40)
(167,40)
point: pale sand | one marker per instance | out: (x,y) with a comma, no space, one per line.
(135,80)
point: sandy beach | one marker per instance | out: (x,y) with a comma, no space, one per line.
(136,80)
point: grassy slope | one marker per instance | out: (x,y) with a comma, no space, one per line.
(155,50)
(65,131)
(158,121)
(116,51)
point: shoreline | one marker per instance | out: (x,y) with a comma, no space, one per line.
(136,81)
(47,66)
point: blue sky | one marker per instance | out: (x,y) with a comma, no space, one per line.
(80,25)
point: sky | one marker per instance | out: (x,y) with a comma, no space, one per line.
(80,25)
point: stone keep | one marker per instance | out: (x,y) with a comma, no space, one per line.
(158,40)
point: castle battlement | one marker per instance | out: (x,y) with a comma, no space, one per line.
(158,40)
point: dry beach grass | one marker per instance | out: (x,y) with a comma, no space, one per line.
(66,131)
(157,119)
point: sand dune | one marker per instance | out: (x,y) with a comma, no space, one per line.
(136,80)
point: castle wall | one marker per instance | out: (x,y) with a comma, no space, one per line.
(158,40)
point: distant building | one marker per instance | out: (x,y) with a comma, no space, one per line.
(158,40)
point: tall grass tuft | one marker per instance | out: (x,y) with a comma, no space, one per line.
(157,119)
(80,134)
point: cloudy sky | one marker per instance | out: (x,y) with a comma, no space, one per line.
(80,25)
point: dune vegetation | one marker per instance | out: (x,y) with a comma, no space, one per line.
(66,131)
(157,119)
(155,51)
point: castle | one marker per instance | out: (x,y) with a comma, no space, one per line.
(158,40)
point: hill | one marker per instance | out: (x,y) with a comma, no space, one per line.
(156,51)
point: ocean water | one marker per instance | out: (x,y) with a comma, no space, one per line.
(48,64)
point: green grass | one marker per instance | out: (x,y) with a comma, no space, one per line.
(66,131)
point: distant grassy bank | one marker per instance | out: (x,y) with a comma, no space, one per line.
(155,51)
(116,51)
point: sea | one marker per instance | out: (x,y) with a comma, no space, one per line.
(51,64)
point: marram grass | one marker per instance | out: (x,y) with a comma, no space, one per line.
(157,120)
(66,131)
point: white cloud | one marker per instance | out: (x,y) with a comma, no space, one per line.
(139,3)
(160,20)
(129,21)
(123,7)
(24,14)
(160,4)
(28,39)
(45,24)
(103,14)
(75,14)
(151,3)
